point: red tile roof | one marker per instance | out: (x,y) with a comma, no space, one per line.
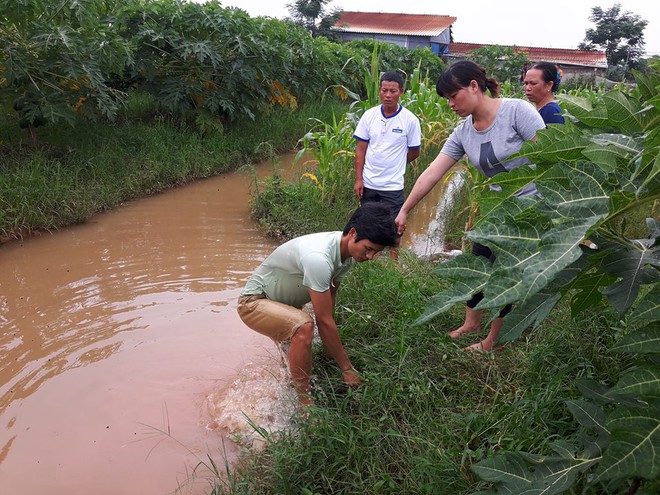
(384,23)
(536,54)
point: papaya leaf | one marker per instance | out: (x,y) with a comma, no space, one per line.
(647,84)
(589,415)
(634,444)
(582,110)
(529,315)
(643,380)
(651,179)
(648,309)
(558,248)
(583,193)
(643,341)
(469,274)
(554,144)
(603,156)
(588,294)
(630,264)
(602,394)
(623,112)
(521,473)
(654,229)
(514,242)
(494,205)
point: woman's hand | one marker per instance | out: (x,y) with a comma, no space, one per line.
(400,221)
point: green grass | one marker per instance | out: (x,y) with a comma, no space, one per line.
(75,172)
(428,410)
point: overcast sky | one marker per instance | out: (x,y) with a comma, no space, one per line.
(549,23)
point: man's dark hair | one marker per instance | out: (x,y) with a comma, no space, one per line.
(374,221)
(393,77)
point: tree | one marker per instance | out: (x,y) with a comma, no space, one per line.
(501,62)
(621,35)
(312,15)
(591,174)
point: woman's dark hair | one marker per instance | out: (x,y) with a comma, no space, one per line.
(549,73)
(374,221)
(460,74)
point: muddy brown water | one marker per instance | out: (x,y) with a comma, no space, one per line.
(119,338)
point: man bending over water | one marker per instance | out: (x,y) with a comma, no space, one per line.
(310,268)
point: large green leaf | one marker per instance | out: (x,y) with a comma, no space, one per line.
(559,247)
(583,110)
(647,84)
(643,380)
(589,415)
(645,340)
(634,449)
(527,474)
(648,309)
(469,274)
(494,204)
(624,112)
(634,264)
(596,391)
(554,144)
(608,151)
(529,315)
(514,242)
(588,290)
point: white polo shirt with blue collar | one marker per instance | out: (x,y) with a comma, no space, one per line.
(389,139)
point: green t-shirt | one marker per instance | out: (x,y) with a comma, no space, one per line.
(310,261)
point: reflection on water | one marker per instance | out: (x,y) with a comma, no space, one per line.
(107,325)
(118,336)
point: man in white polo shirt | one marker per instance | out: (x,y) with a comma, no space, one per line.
(310,268)
(388,138)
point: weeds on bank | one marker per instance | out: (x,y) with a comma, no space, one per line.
(78,171)
(427,410)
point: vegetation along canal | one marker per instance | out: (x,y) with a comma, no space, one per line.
(123,360)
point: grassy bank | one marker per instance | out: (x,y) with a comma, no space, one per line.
(550,413)
(428,409)
(74,172)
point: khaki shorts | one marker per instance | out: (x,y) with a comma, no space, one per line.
(271,318)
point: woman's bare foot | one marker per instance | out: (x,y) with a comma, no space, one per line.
(485,345)
(463,330)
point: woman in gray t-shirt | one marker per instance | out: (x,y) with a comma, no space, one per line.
(494,129)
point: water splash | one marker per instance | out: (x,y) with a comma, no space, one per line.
(258,406)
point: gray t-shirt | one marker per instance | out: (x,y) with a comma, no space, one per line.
(309,261)
(516,122)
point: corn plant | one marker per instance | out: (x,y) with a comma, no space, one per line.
(333,147)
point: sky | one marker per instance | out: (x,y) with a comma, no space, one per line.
(549,24)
